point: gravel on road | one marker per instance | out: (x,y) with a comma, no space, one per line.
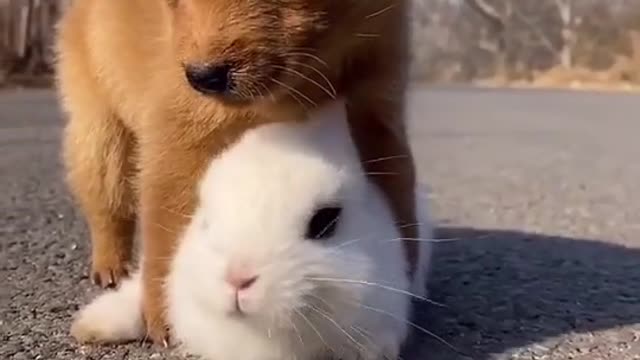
(536,189)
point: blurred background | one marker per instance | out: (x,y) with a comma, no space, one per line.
(537,190)
(550,43)
(26,34)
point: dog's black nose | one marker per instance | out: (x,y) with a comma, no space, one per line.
(209,79)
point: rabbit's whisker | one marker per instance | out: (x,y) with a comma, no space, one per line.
(345,244)
(436,241)
(366,336)
(337,325)
(313,328)
(353,241)
(415,326)
(295,329)
(320,299)
(381,286)
(329,225)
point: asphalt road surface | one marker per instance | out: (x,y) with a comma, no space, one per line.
(539,188)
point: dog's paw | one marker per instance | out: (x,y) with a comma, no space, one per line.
(108,271)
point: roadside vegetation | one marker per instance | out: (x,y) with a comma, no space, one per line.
(578,44)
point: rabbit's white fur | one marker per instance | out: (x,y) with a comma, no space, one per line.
(347,295)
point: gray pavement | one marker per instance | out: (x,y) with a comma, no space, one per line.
(539,187)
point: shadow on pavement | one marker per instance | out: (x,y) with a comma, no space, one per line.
(507,289)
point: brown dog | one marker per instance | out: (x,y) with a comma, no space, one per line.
(155,88)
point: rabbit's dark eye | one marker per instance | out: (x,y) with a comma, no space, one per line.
(323,223)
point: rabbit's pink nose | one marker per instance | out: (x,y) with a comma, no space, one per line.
(240,280)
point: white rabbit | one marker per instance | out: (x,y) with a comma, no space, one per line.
(292,253)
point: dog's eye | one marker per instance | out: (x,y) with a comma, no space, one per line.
(323,223)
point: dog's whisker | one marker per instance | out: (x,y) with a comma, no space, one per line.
(250,84)
(380,12)
(386,158)
(267,91)
(377,173)
(368,36)
(404,226)
(253,84)
(248,94)
(297,99)
(304,77)
(294,90)
(163,258)
(242,94)
(165,228)
(320,73)
(176,212)
(302,48)
(291,93)
(314,57)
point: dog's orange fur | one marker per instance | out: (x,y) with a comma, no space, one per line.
(139,137)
